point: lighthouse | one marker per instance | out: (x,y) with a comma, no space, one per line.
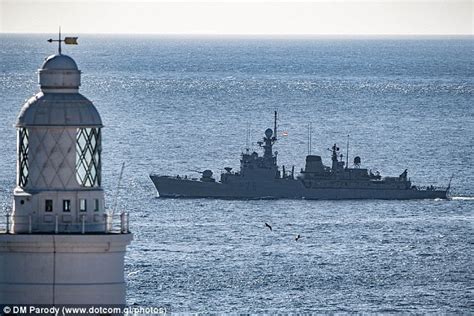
(60,246)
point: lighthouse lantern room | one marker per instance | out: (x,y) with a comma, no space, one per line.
(59,156)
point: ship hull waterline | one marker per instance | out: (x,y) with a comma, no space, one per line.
(173,187)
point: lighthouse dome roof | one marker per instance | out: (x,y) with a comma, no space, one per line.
(59,62)
(59,109)
(59,74)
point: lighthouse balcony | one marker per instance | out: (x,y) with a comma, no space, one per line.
(65,224)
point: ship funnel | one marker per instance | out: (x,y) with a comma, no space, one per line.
(314,164)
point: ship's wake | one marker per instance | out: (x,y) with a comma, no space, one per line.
(462,198)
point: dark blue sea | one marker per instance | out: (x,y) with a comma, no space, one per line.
(175,104)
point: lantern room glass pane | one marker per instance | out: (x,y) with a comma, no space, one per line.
(23,149)
(88,150)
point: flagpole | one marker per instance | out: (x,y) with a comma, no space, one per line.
(59,50)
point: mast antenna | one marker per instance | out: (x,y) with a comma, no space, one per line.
(308,139)
(449,184)
(275,127)
(310,132)
(347,152)
(247,136)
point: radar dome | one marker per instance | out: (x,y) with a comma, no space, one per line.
(207,174)
(268,133)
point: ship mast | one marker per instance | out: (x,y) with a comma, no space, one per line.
(247,137)
(269,140)
(275,128)
(310,134)
(347,152)
(334,150)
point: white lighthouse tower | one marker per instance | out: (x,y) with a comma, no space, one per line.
(60,246)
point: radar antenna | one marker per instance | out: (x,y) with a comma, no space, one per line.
(357,161)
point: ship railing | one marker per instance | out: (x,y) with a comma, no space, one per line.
(429,188)
(97,224)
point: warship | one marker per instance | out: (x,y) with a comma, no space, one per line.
(261,178)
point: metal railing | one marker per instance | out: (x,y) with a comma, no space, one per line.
(95,223)
(429,188)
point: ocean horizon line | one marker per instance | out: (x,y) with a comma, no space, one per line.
(256,36)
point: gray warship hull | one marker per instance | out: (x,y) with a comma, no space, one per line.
(176,187)
(260,177)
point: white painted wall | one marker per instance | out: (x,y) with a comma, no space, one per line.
(62,269)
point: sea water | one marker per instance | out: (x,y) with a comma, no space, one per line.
(171,105)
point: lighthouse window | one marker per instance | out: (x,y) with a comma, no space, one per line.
(96,205)
(88,149)
(48,205)
(66,205)
(82,205)
(23,149)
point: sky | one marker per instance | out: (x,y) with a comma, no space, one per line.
(246,17)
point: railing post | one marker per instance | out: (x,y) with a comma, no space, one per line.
(128,223)
(8,223)
(83,219)
(106,224)
(122,222)
(30,228)
(110,222)
(56,224)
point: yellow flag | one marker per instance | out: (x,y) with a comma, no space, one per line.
(70,40)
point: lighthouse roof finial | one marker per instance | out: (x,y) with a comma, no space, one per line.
(66,40)
(60,61)
(59,41)
(59,73)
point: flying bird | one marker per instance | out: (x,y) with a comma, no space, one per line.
(270,227)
